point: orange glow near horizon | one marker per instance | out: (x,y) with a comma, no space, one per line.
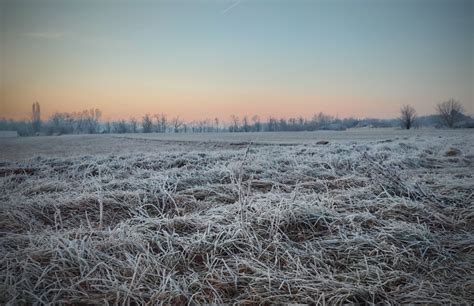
(200,106)
(197,60)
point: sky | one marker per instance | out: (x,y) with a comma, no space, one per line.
(205,59)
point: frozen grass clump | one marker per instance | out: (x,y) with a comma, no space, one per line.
(388,221)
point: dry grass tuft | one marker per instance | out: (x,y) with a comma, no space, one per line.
(452,152)
(340,223)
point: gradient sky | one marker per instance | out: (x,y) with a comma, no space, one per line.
(202,59)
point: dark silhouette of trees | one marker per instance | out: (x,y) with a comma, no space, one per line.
(61,123)
(120,127)
(272,124)
(133,125)
(450,112)
(147,124)
(107,128)
(161,123)
(234,124)
(87,121)
(257,126)
(407,116)
(176,123)
(245,124)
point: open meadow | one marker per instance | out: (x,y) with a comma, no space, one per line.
(364,215)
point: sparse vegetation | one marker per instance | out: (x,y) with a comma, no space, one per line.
(385,220)
(407,116)
(450,112)
(85,122)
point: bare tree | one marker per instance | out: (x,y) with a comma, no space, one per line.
(177,123)
(407,116)
(61,123)
(36,117)
(216,122)
(108,127)
(292,124)
(257,126)
(133,125)
(94,120)
(120,127)
(301,122)
(450,112)
(147,124)
(87,121)
(161,123)
(272,124)
(319,121)
(207,125)
(235,123)
(245,124)
(282,125)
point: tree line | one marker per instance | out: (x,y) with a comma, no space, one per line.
(449,114)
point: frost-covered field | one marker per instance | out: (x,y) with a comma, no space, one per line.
(359,134)
(135,218)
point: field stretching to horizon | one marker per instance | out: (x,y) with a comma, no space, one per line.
(357,216)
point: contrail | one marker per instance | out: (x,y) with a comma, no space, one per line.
(237,2)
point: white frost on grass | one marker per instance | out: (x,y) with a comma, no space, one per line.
(381,221)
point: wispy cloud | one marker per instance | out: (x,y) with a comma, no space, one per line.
(45,34)
(227,9)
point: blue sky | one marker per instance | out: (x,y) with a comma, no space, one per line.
(204,59)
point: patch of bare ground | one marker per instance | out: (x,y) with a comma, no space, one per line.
(336,223)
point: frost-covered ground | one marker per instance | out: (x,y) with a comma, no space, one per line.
(360,219)
(359,134)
